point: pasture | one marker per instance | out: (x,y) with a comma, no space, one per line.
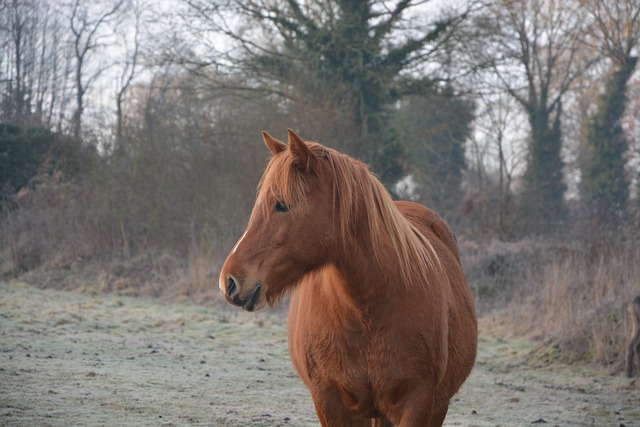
(93,359)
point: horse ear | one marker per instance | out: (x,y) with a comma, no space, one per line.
(301,150)
(276,146)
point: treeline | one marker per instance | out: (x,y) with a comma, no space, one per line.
(128,126)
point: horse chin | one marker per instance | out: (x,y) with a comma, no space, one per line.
(259,305)
(253,302)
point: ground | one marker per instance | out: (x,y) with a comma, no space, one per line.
(82,359)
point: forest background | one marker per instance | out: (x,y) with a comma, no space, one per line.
(130,145)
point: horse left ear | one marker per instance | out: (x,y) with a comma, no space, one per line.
(301,150)
(276,146)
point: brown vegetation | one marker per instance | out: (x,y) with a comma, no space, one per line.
(571,297)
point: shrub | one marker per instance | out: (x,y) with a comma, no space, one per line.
(27,152)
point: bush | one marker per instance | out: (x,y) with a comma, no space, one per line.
(27,152)
(21,153)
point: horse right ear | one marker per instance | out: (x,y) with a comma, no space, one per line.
(276,146)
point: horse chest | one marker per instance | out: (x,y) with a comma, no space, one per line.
(337,364)
(340,355)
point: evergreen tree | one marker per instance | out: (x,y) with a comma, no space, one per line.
(605,188)
(353,49)
(545,187)
(21,153)
(435,128)
(28,151)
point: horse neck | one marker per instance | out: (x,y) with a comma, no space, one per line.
(364,241)
(367,279)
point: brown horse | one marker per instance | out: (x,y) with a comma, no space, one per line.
(382,325)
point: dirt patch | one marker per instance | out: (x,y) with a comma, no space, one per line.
(80,359)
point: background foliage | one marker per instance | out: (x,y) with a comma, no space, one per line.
(130,136)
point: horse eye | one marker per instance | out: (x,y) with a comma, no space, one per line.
(281,207)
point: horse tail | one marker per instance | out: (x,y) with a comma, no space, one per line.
(381,422)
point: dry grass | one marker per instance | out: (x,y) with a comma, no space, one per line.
(585,299)
(575,302)
(89,236)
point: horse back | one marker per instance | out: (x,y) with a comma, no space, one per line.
(462,316)
(428,222)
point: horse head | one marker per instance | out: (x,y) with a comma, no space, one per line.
(290,231)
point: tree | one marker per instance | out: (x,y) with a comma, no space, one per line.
(129,66)
(32,55)
(87,24)
(532,50)
(496,160)
(29,151)
(365,54)
(616,30)
(20,24)
(434,129)
(174,178)
(21,153)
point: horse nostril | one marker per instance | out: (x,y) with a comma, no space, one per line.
(232,287)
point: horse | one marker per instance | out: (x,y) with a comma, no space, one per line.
(382,326)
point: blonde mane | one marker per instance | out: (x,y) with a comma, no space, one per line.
(358,196)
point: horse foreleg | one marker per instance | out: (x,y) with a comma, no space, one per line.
(422,411)
(437,419)
(381,422)
(332,412)
(416,412)
(423,418)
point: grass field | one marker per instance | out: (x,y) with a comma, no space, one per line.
(93,359)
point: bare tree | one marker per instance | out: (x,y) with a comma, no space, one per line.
(498,160)
(87,22)
(19,24)
(532,50)
(616,33)
(34,52)
(59,60)
(131,43)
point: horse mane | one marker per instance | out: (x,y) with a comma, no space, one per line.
(358,196)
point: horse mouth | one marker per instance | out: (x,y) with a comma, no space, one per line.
(249,303)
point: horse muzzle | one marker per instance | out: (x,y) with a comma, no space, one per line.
(249,302)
